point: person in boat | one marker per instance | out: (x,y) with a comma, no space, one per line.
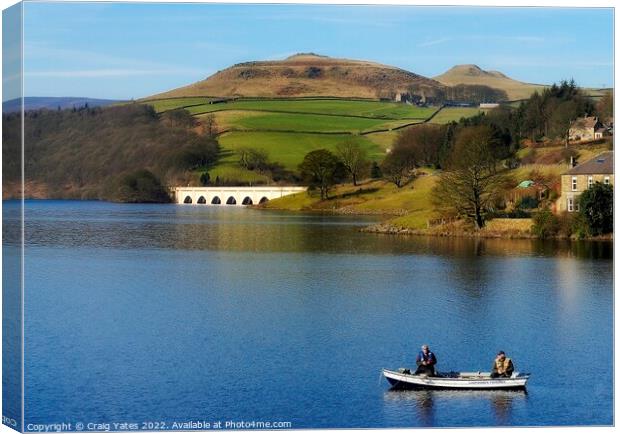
(502,366)
(426,362)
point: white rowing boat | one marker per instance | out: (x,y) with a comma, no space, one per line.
(455,380)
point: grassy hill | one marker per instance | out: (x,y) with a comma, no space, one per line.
(287,129)
(473,74)
(305,102)
(304,75)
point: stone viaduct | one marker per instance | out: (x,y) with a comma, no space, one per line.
(231,195)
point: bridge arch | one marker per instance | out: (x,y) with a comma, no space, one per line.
(237,195)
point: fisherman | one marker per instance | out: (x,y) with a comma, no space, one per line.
(426,362)
(502,366)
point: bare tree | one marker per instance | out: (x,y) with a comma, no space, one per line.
(399,165)
(423,142)
(354,158)
(210,126)
(396,170)
(472,184)
(562,118)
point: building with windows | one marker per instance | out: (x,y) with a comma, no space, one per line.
(581,177)
(588,128)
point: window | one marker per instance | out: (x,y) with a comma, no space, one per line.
(570,205)
(590,181)
(607,180)
(574,183)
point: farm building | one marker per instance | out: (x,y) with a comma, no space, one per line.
(587,128)
(583,176)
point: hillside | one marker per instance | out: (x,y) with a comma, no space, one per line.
(474,75)
(88,153)
(305,75)
(287,129)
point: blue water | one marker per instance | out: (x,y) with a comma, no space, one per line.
(169,313)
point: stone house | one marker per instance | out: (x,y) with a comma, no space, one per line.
(581,177)
(588,128)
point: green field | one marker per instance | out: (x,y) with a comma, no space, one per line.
(449,114)
(229,171)
(372,197)
(309,123)
(290,128)
(289,149)
(371,109)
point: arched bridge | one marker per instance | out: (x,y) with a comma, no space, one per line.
(231,195)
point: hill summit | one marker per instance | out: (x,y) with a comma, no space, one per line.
(306,74)
(474,75)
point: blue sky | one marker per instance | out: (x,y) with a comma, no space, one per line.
(124,50)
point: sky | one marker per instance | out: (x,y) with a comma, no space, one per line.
(132,50)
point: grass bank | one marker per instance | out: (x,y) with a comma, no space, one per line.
(496,228)
(369,197)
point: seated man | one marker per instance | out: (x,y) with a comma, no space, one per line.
(502,366)
(426,361)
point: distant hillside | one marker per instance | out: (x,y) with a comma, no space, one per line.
(88,153)
(474,75)
(306,75)
(52,103)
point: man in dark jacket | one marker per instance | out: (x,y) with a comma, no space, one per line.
(426,362)
(502,366)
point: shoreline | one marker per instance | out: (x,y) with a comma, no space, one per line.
(452,232)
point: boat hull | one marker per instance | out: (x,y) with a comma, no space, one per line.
(481,381)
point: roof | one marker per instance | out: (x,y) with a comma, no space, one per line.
(587,122)
(525,184)
(601,164)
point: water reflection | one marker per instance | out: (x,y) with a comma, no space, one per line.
(425,402)
(108,225)
(219,288)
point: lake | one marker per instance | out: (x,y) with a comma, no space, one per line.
(176,313)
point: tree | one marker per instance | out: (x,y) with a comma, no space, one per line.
(562,118)
(546,113)
(354,158)
(210,126)
(605,107)
(545,224)
(472,184)
(423,142)
(396,169)
(179,118)
(205,178)
(253,159)
(596,205)
(141,186)
(321,169)
(375,171)
(200,152)
(399,165)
